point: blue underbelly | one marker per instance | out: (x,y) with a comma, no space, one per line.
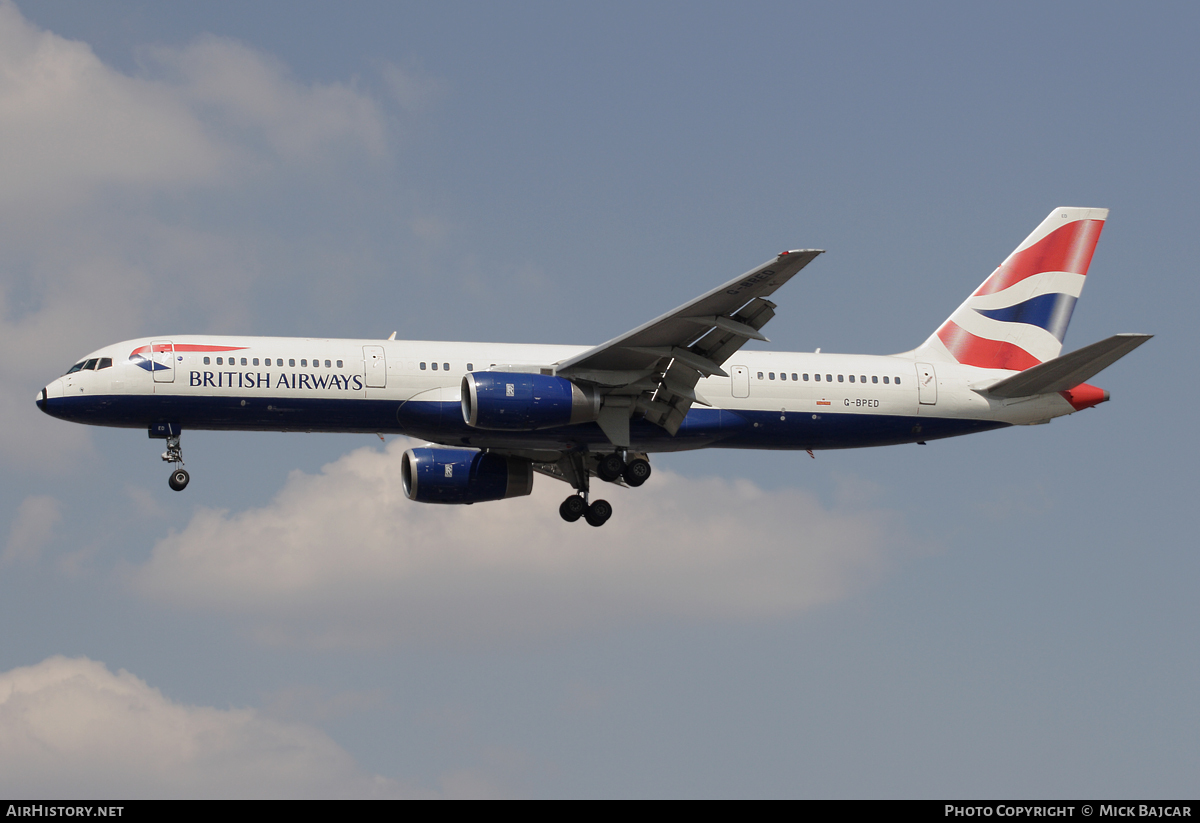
(442,422)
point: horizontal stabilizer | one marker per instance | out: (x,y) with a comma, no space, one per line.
(1070,370)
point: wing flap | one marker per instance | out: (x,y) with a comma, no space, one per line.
(654,369)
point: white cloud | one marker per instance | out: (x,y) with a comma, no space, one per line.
(343,558)
(37,516)
(411,88)
(205,113)
(249,93)
(116,196)
(69,123)
(72,728)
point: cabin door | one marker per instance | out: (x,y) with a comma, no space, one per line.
(376,367)
(926,384)
(741,381)
(162,357)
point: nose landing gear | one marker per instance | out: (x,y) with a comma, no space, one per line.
(174,454)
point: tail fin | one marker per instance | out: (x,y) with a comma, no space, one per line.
(1018,317)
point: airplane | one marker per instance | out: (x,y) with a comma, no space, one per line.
(496,414)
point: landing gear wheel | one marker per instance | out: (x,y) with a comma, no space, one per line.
(573,508)
(637,472)
(598,513)
(610,467)
(178,480)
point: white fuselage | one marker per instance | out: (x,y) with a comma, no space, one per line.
(798,399)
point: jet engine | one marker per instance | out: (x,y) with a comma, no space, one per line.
(514,401)
(433,475)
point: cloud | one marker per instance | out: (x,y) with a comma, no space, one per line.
(37,516)
(143,203)
(343,558)
(72,728)
(250,95)
(69,123)
(204,114)
(411,88)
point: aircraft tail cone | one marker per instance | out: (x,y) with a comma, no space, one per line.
(1085,396)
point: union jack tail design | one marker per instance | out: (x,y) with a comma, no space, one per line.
(1018,317)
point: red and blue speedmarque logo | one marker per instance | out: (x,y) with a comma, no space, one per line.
(144,356)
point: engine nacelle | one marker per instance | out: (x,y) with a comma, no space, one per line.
(516,401)
(434,475)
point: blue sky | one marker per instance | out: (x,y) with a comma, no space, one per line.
(1010,614)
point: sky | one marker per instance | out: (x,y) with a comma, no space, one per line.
(1010,614)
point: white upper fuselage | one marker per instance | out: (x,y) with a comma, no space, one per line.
(262,373)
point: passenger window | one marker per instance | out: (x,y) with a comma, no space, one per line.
(885,381)
(851,378)
(817,377)
(840,379)
(434,366)
(806,377)
(219,362)
(760,376)
(445,367)
(304,364)
(243,361)
(772,375)
(874,378)
(793,375)
(422,365)
(256,361)
(291,362)
(897,381)
(326,364)
(339,364)
(105,362)
(829,378)
(470,367)
(206,361)
(862,378)
(783,375)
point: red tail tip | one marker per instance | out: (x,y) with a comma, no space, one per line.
(1085,396)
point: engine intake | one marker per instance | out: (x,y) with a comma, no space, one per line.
(515,401)
(434,475)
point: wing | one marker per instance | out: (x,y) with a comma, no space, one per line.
(654,369)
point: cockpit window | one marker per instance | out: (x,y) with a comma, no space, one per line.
(105,363)
(91,364)
(76,367)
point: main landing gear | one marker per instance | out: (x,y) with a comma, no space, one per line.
(610,468)
(613,467)
(576,506)
(174,454)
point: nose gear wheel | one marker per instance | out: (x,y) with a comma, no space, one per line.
(174,454)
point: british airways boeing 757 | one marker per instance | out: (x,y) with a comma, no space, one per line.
(495,414)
